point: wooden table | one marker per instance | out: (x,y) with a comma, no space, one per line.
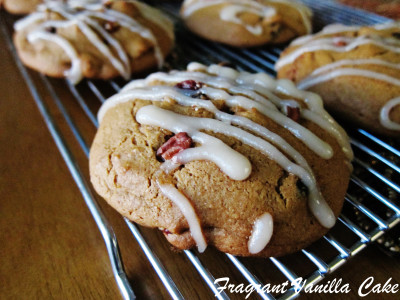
(51,246)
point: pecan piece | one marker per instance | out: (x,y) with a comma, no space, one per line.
(174,145)
(293,113)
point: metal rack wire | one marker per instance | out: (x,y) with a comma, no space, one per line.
(372,204)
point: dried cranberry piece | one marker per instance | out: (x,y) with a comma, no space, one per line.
(166,232)
(189,85)
(174,145)
(293,113)
(339,42)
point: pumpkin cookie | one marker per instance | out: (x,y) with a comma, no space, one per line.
(355,69)
(93,40)
(247,23)
(20,7)
(213,156)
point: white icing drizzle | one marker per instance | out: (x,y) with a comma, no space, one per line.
(355,62)
(267,86)
(327,30)
(86,24)
(236,89)
(87,21)
(308,82)
(230,13)
(384,114)
(190,7)
(334,70)
(74,73)
(329,45)
(135,27)
(29,20)
(157,17)
(155,116)
(92,4)
(304,11)
(223,155)
(348,67)
(245,86)
(332,29)
(261,234)
(188,211)
(213,149)
(169,166)
(138,89)
(233,8)
(158,93)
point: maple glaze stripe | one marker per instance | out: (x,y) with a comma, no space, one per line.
(259,87)
(155,116)
(384,114)
(189,213)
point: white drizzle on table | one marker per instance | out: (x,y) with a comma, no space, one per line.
(232,9)
(348,67)
(86,15)
(237,89)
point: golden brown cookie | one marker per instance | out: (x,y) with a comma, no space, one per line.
(247,23)
(20,7)
(93,40)
(355,69)
(213,156)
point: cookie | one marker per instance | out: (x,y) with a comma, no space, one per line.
(247,23)
(98,41)
(387,8)
(20,7)
(355,70)
(213,156)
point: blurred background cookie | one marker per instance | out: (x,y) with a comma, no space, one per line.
(20,7)
(355,69)
(247,23)
(93,40)
(387,8)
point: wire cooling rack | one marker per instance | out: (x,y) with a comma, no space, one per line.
(372,203)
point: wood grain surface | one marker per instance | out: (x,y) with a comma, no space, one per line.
(51,247)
